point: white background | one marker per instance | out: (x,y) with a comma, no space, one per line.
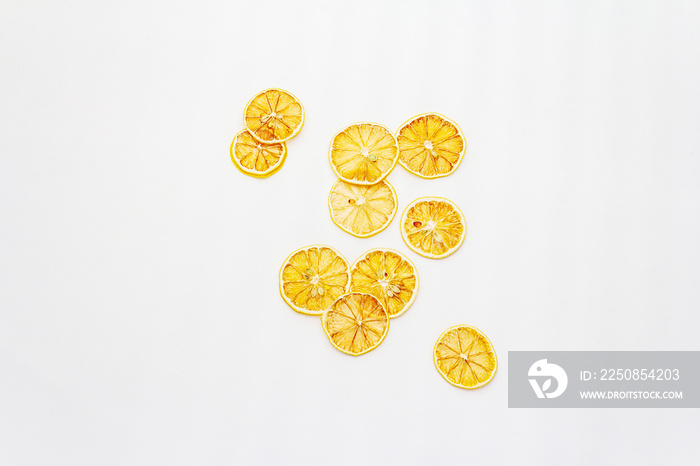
(140,320)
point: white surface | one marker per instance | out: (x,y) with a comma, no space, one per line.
(140,321)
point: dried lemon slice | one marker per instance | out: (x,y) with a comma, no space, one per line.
(430,145)
(388,276)
(433,227)
(256,159)
(312,277)
(363,153)
(356,323)
(464,357)
(273,116)
(360,210)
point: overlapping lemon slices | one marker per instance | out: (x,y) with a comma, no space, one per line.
(465,357)
(433,227)
(362,155)
(272,117)
(355,303)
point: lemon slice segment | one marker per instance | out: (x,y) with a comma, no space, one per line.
(356,323)
(312,277)
(363,153)
(273,116)
(387,275)
(361,210)
(433,227)
(256,159)
(430,145)
(465,357)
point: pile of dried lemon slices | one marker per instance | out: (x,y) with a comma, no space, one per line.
(272,117)
(363,203)
(356,302)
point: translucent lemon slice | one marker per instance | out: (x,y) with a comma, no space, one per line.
(356,323)
(361,210)
(388,276)
(256,159)
(363,153)
(273,116)
(430,145)
(433,227)
(465,357)
(312,277)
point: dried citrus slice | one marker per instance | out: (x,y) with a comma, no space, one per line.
(273,116)
(363,153)
(388,276)
(465,357)
(255,158)
(430,145)
(312,277)
(433,227)
(356,323)
(362,210)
